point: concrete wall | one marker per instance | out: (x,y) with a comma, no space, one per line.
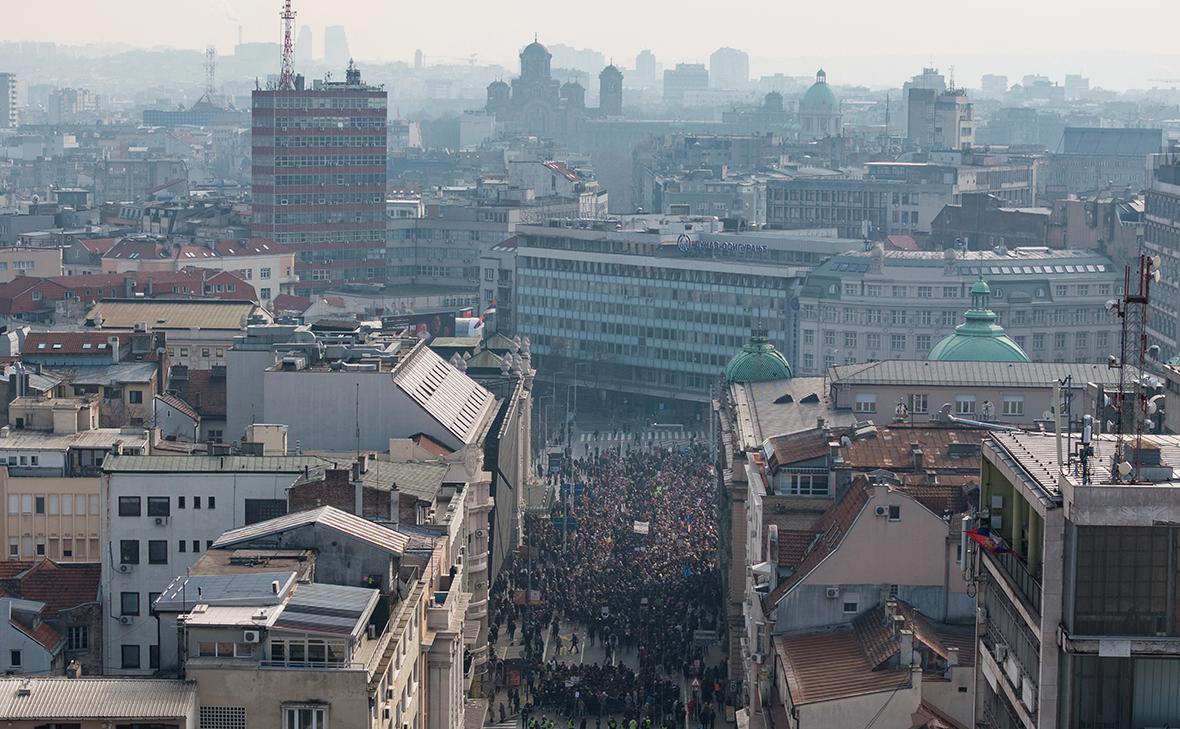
(263,692)
(385,411)
(243,384)
(77,531)
(948,697)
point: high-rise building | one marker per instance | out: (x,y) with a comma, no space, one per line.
(939,120)
(319,173)
(610,91)
(1161,237)
(419,59)
(729,68)
(684,78)
(336,53)
(8,116)
(304,47)
(993,85)
(647,69)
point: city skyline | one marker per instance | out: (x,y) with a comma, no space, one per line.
(1117,53)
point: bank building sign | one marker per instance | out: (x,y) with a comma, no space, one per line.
(686,244)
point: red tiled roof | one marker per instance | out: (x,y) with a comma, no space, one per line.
(98,245)
(61,586)
(252,247)
(68,343)
(831,665)
(788,449)
(874,631)
(792,546)
(946,494)
(12,568)
(890,449)
(44,634)
(290,302)
(179,405)
(833,526)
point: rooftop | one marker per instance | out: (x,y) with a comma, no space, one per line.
(326,517)
(174,314)
(96,438)
(758,361)
(210,464)
(456,401)
(253,588)
(765,409)
(970,374)
(833,665)
(43,698)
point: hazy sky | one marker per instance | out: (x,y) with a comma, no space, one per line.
(1105,39)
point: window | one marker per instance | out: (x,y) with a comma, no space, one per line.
(40,546)
(950,292)
(181,546)
(129,603)
(14,658)
(135,397)
(264,293)
(922,341)
(38,502)
(179,502)
(78,638)
(806,484)
(264,272)
(130,656)
(184,351)
(851,606)
(874,341)
(1059,340)
(809,336)
(262,509)
(157,551)
(129,551)
(897,342)
(196,546)
(212,502)
(829,339)
(924,292)
(312,716)
(205,351)
(964,404)
(1013,405)
(866,403)
(850,340)
(918,404)
(129,506)
(158,506)
(894,513)
(153,656)
(196,502)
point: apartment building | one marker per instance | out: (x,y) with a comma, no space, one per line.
(159,515)
(1161,237)
(50,517)
(869,305)
(1076,582)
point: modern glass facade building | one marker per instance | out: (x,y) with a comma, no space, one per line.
(657,312)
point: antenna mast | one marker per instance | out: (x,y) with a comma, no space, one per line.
(287,70)
(1132,414)
(210,72)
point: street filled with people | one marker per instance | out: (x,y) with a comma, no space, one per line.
(622,567)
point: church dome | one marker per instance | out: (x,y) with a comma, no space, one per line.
(534,49)
(610,71)
(979,338)
(758,361)
(819,99)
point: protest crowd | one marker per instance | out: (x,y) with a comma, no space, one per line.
(628,555)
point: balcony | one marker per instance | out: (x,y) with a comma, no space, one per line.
(1018,576)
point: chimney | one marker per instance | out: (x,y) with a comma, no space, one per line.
(821,422)
(74,669)
(916,454)
(906,651)
(952,656)
(113,345)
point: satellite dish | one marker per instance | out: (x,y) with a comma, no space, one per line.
(1124,468)
(1047,415)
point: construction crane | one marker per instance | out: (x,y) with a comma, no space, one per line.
(287,67)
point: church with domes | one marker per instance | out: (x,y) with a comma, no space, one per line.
(819,111)
(537,103)
(980,338)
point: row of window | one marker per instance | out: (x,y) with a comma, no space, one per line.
(160,505)
(27,547)
(52,504)
(919,404)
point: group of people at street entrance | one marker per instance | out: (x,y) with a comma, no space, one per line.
(628,554)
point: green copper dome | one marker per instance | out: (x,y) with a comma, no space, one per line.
(980,338)
(758,361)
(819,98)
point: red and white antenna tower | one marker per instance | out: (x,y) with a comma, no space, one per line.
(287,71)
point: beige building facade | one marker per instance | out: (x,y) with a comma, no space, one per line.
(50,518)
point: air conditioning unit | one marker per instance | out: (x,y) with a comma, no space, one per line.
(124,568)
(1001,652)
(161,520)
(1027,695)
(125,619)
(757,657)
(882,511)
(251,636)
(832,593)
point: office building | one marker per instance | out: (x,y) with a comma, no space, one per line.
(1161,237)
(1076,582)
(729,69)
(9,116)
(869,305)
(685,78)
(319,174)
(1092,159)
(656,309)
(647,69)
(993,85)
(49,517)
(336,53)
(939,120)
(896,197)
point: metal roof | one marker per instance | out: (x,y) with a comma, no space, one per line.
(319,608)
(325,516)
(209,464)
(96,698)
(36,440)
(970,374)
(164,314)
(422,480)
(108,374)
(252,588)
(452,398)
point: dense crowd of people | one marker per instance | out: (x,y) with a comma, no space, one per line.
(628,554)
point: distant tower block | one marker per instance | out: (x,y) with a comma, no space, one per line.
(419,59)
(304,48)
